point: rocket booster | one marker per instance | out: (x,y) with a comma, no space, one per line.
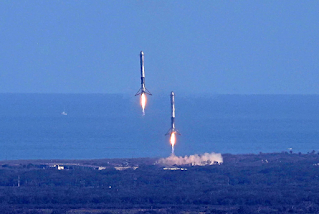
(143,89)
(142,70)
(173,111)
(172,129)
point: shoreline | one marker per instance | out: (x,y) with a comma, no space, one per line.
(228,159)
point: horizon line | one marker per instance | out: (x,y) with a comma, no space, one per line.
(159,94)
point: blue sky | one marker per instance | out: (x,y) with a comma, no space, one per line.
(191,47)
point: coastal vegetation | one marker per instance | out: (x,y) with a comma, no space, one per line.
(267,183)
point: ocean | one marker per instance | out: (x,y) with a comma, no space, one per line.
(112,126)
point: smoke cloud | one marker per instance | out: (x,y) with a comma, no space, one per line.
(194,160)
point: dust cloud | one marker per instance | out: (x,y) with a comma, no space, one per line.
(194,160)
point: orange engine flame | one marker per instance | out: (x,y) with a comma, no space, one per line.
(143,101)
(173,141)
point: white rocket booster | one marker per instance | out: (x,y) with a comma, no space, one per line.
(172,129)
(143,89)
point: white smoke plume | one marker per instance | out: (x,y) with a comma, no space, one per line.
(194,160)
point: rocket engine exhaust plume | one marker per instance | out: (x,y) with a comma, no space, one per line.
(173,141)
(143,102)
(194,160)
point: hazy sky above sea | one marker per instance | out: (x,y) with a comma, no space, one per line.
(191,47)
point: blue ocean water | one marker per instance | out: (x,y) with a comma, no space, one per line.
(112,126)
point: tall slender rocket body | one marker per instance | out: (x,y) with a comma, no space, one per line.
(143,90)
(172,131)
